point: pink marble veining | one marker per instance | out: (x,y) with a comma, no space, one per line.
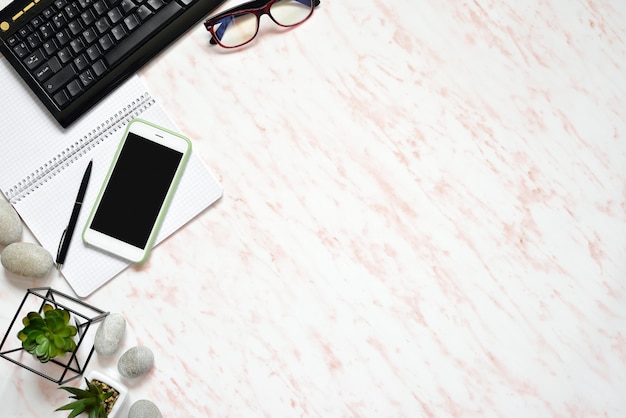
(424,216)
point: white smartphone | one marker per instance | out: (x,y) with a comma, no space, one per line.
(137,190)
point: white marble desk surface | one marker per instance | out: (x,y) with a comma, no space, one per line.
(424,216)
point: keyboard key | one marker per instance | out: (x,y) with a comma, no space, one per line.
(59,20)
(62,38)
(64,55)
(77,45)
(156,4)
(144,12)
(118,32)
(75,27)
(106,42)
(100,7)
(34,60)
(21,50)
(60,79)
(25,31)
(60,4)
(93,52)
(33,40)
(99,68)
(50,47)
(71,11)
(48,13)
(131,23)
(127,6)
(142,33)
(87,17)
(61,99)
(74,88)
(86,78)
(90,36)
(115,15)
(81,62)
(54,64)
(13,40)
(37,21)
(45,71)
(46,30)
(103,25)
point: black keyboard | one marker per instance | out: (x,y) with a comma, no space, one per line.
(72,53)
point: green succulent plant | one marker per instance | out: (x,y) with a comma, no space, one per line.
(96,401)
(48,336)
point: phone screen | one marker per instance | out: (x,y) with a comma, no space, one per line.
(136,190)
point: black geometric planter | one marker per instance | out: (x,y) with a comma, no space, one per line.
(60,369)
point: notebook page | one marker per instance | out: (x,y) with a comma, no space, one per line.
(47,207)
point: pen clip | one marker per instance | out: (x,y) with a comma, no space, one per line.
(61,243)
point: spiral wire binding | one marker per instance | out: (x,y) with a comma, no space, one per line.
(79,148)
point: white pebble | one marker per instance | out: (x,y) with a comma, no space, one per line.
(144,409)
(10,224)
(109,334)
(27,259)
(135,362)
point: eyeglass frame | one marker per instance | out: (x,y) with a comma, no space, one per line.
(255,7)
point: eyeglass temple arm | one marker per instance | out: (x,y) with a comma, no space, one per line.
(255,4)
(250,5)
(308,2)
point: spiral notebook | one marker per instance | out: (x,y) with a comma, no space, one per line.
(41,166)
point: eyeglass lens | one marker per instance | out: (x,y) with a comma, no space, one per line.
(238,29)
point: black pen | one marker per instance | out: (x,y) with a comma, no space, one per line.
(69,231)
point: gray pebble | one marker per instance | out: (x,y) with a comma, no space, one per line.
(109,334)
(10,224)
(135,362)
(27,259)
(144,409)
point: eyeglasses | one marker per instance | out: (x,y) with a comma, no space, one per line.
(239,25)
